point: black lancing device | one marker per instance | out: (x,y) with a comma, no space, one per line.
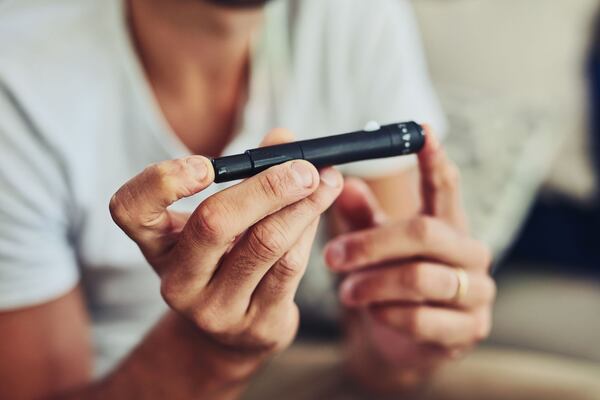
(373,142)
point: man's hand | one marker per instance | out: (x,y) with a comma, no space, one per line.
(418,291)
(233,266)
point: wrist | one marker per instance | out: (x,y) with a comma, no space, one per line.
(228,365)
(176,360)
(371,370)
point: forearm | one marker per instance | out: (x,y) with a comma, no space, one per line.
(175,361)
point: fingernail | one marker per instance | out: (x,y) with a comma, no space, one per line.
(330,177)
(304,173)
(347,291)
(335,254)
(197,168)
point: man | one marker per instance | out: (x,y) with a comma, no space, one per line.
(92,92)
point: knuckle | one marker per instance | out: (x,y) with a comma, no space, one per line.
(260,336)
(413,277)
(421,229)
(258,340)
(165,169)
(273,183)
(380,314)
(490,288)
(365,289)
(217,320)
(358,248)
(120,208)
(157,171)
(264,335)
(211,322)
(267,241)
(171,293)
(448,177)
(210,222)
(418,324)
(178,167)
(486,257)
(483,328)
(166,174)
(288,267)
(172,177)
(117,208)
(311,207)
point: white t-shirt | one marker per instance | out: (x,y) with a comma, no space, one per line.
(78,119)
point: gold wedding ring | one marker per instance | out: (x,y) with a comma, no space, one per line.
(463,285)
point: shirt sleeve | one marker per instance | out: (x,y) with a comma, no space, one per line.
(37,260)
(393,82)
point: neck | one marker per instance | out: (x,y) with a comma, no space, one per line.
(182,42)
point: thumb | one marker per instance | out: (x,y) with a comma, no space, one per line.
(357,206)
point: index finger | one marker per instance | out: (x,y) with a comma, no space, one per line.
(440,184)
(139,207)
(422,238)
(223,217)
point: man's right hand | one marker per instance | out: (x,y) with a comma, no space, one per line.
(234,265)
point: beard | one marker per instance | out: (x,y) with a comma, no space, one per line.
(239,3)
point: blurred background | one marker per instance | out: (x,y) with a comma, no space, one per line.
(520,82)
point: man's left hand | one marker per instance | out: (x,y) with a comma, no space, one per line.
(419,288)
